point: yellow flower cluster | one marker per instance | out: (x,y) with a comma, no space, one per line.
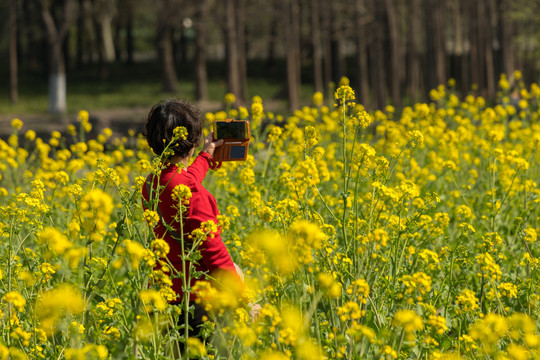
(180,132)
(15,299)
(95,209)
(181,194)
(152,299)
(409,321)
(54,305)
(467,300)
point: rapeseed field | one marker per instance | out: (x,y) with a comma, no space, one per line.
(409,234)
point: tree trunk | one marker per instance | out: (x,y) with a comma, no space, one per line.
(459,47)
(487,47)
(481,16)
(440,41)
(13,71)
(378,70)
(414,51)
(475,64)
(103,15)
(102,60)
(32,50)
(461,36)
(165,50)
(435,44)
(327,45)
(55,40)
(90,39)
(362,54)
(79,46)
(272,40)
(234,84)
(107,37)
(430,47)
(505,38)
(57,79)
(316,45)
(201,78)
(242,47)
(395,51)
(130,48)
(292,41)
(338,62)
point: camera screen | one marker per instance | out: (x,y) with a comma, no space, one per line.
(238,152)
(230,130)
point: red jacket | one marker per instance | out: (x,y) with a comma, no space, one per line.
(202,207)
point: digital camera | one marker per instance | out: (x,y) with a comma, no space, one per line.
(236,136)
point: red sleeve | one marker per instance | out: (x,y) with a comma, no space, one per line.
(198,169)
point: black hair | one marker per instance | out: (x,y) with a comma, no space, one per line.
(168,115)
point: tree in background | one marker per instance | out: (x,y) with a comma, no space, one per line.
(241,31)
(316,47)
(13,69)
(104,11)
(232,50)
(57,22)
(201,76)
(413,48)
(167,17)
(362,20)
(291,39)
(435,48)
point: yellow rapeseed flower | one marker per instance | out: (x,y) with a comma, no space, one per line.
(438,323)
(196,348)
(151,217)
(488,331)
(181,194)
(54,304)
(318,98)
(330,286)
(55,240)
(467,301)
(530,235)
(16,299)
(16,124)
(229,98)
(137,253)
(95,209)
(83,116)
(161,247)
(180,132)
(344,94)
(30,135)
(350,310)
(247,176)
(409,321)
(152,299)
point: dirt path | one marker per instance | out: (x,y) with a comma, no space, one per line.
(119,120)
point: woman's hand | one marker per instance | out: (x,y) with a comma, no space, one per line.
(210,145)
(254,311)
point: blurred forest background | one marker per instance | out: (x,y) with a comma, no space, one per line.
(131,52)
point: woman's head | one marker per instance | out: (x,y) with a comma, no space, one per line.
(168,115)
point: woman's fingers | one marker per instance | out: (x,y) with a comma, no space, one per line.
(210,145)
(209,138)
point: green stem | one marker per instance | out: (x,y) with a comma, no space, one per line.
(267,159)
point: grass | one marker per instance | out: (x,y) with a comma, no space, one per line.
(132,86)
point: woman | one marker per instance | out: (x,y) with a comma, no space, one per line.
(215,258)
